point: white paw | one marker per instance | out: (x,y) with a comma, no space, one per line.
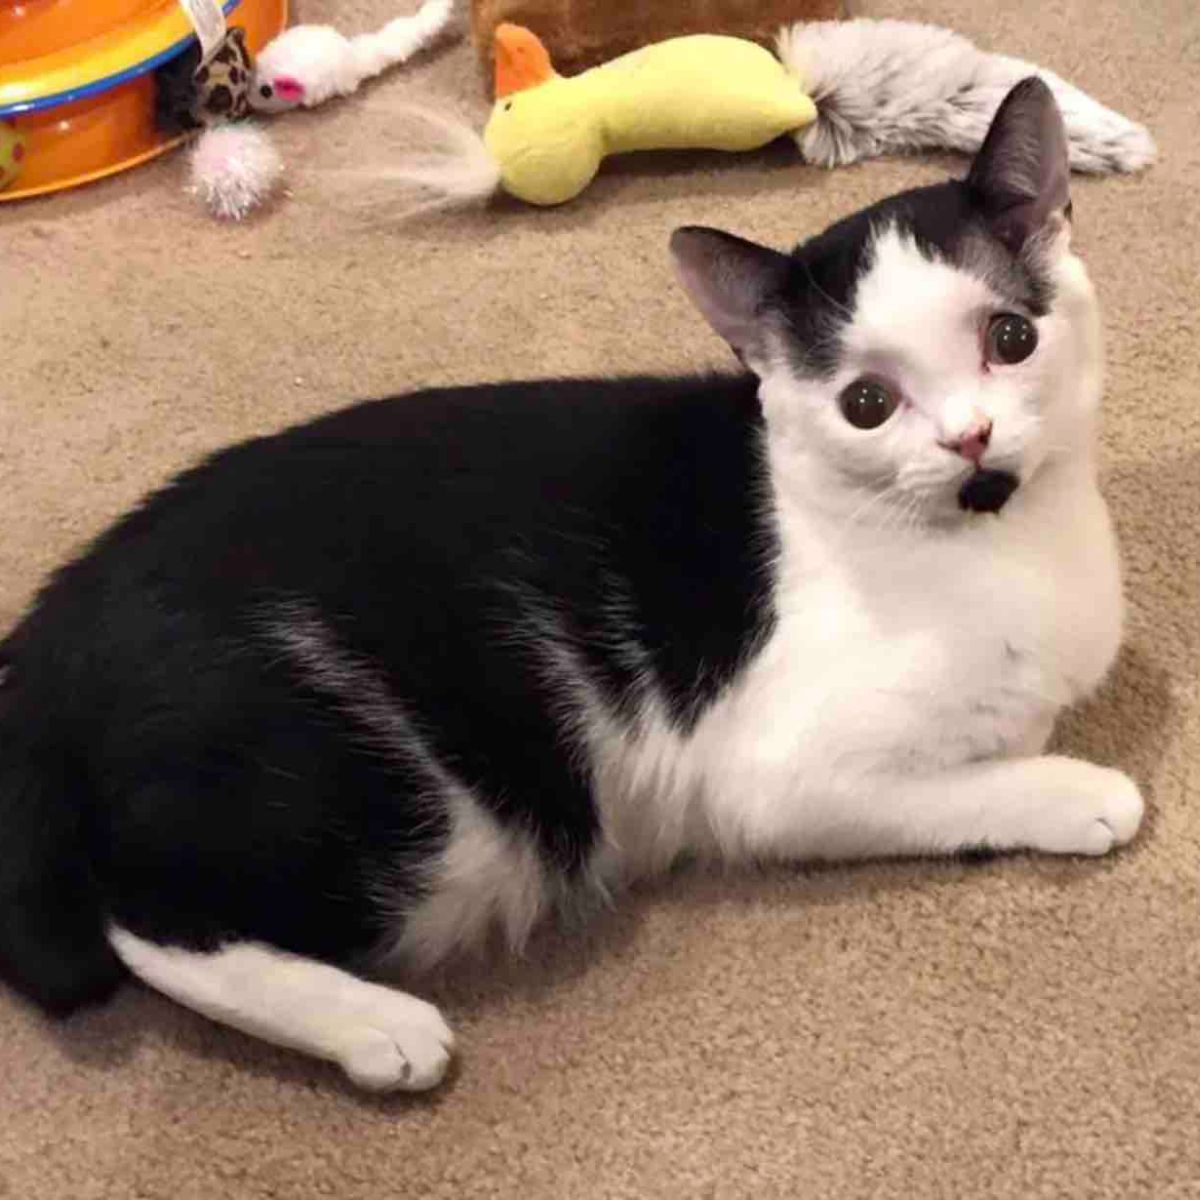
(397,1043)
(1095,810)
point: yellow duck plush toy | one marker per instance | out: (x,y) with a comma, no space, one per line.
(548,134)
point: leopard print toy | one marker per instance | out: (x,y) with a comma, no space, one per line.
(192,96)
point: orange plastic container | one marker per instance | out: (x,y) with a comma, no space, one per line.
(34,28)
(77,84)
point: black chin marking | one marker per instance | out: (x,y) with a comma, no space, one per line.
(987,491)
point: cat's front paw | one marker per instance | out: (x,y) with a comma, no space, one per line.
(1087,810)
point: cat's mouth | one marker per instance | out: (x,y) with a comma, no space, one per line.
(987,490)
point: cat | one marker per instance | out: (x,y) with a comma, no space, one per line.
(359,693)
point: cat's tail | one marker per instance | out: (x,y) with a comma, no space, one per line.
(53,947)
(883,87)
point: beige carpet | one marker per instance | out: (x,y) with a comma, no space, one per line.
(1023,1028)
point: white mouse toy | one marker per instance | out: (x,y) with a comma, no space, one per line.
(309,64)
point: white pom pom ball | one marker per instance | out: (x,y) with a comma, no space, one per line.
(234,169)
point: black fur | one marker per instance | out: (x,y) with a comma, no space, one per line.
(51,938)
(987,491)
(163,764)
(175,93)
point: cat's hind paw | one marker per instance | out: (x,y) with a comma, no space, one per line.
(404,1046)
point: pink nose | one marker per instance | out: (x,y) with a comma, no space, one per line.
(973,443)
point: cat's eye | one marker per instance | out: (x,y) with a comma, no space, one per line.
(867,403)
(1010,338)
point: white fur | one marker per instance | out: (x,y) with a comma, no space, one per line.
(234,169)
(327,63)
(383,1039)
(487,877)
(887,86)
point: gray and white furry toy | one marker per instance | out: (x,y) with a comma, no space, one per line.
(883,87)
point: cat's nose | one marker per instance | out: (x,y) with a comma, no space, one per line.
(973,442)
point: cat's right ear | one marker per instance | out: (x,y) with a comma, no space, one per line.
(730,280)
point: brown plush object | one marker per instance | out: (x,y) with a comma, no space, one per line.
(581,33)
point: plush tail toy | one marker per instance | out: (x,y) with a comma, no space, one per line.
(887,86)
(843,90)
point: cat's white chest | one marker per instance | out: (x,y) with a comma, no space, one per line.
(917,661)
(906,663)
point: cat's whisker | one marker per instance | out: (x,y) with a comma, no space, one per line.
(912,513)
(895,512)
(856,518)
(872,496)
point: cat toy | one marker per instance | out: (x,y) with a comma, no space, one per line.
(844,90)
(234,165)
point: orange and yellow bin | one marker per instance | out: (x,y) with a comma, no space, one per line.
(77,84)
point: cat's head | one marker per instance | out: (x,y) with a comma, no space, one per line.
(932,352)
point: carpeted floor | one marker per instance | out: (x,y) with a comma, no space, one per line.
(1022,1028)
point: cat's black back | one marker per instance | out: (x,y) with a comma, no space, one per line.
(429,548)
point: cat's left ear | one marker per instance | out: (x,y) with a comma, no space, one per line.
(1020,177)
(730,280)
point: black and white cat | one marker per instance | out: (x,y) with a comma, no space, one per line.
(356,694)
